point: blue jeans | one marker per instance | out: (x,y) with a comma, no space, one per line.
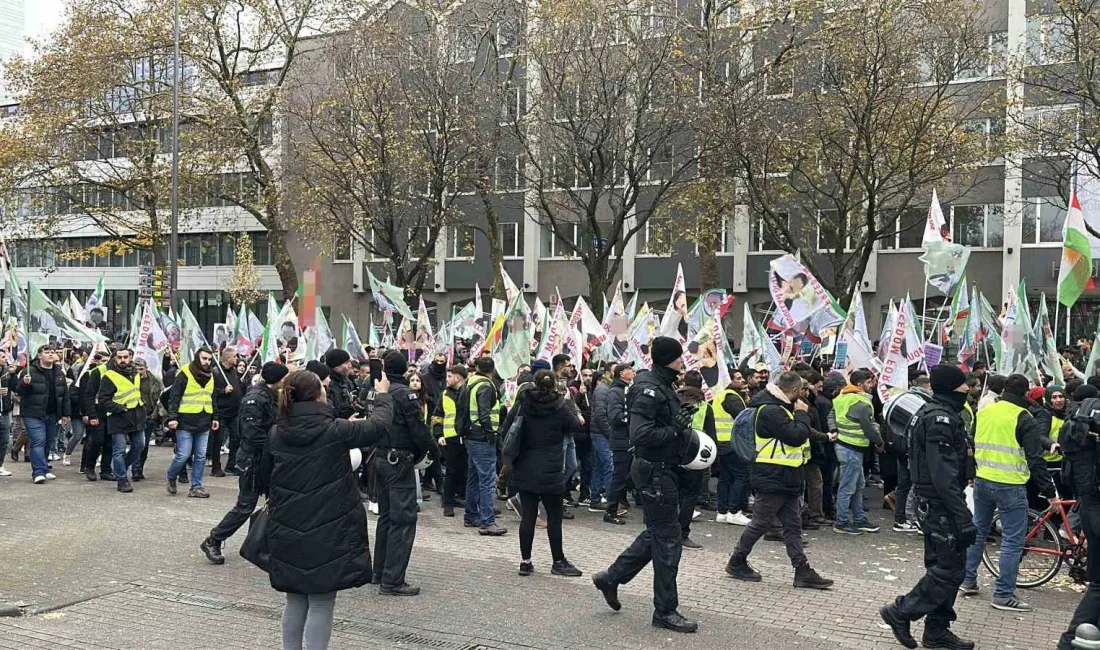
(1011,502)
(39,430)
(849,494)
(123,460)
(569,446)
(603,467)
(5,436)
(481,482)
(193,445)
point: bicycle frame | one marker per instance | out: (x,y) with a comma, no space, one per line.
(1072,539)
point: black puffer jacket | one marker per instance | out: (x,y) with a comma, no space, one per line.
(538,463)
(600,421)
(773,421)
(618,416)
(119,418)
(33,396)
(229,404)
(317,531)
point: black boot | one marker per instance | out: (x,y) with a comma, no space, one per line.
(808,579)
(608,588)
(742,571)
(400,590)
(898,625)
(213,550)
(944,639)
(673,621)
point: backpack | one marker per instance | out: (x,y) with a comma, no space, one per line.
(1078,447)
(743,437)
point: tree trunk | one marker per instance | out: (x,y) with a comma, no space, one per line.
(497,257)
(597,288)
(288,275)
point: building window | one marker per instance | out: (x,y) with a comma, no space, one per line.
(460,241)
(1053,128)
(764,237)
(980,226)
(510,238)
(508,173)
(1049,39)
(260,78)
(341,247)
(727,16)
(778,81)
(553,246)
(656,237)
(828,227)
(1043,220)
(418,242)
(989,63)
(661,162)
(261,249)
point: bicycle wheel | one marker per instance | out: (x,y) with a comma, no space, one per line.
(1042,556)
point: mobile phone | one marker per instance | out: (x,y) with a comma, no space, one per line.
(375,370)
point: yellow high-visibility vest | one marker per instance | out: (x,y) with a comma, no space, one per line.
(700,416)
(848,431)
(127,393)
(196,397)
(773,451)
(723,421)
(997,453)
(450,412)
(475,383)
(1056,425)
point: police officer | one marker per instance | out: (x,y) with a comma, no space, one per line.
(1080,445)
(660,431)
(406,441)
(257,415)
(341,388)
(937,461)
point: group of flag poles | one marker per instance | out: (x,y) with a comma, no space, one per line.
(803,318)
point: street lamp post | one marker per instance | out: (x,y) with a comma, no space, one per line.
(173,245)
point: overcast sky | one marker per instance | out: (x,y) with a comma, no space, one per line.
(40,17)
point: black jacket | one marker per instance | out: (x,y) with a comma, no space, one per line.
(773,421)
(88,387)
(538,462)
(937,458)
(193,422)
(600,421)
(479,425)
(618,416)
(119,418)
(229,404)
(653,407)
(1031,440)
(33,396)
(341,395)
(317,530)
(408,430)
(257,416)
(9,379)
(434,379)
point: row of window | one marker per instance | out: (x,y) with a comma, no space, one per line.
(461,242)
(209,249)
(129,141)
(76,199)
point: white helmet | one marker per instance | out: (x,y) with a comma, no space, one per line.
(423,462)
(356,458)
(700,453)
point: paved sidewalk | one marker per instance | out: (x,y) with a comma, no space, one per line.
(132,562)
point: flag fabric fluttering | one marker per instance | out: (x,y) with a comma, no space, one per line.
(425,339)
(944,262)
(751,347)
(1049,359)
(677,306)
(95,299)
(388,297)
(352,343)
(1075,270)
(45,319)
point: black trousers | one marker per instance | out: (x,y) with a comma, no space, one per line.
(454,483)
(214,448)
(393,538)
(661,539)
(945,567)
(97,444)
(1088,610)
(529,506)
(765,511)
(231,429)
(622,461)
(901,492)
(691,484)
(584,465)
(828,486)
(241,511)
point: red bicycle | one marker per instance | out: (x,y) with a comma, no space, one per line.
(1046,547)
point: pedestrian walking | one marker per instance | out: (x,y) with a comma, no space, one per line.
(122,407)
(44,401)
(192,414)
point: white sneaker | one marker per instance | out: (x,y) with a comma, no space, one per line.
(225,450)
(49,476)
(66,460)
(4,472)
(738,519)
(97,463)
(721,518)
(209,463)
(51,457)
(39,480)
(372,507)
(695,515)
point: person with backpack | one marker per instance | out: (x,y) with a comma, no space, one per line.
(782,440)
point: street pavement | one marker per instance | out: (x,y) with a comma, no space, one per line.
(90,567)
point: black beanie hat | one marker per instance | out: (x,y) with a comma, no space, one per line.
(946,378)
(664,350)
(336,358)
(395,363)
(1085,392)
(458,369)
(319,369)
(272,372)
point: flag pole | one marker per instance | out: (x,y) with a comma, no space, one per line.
(1057,304)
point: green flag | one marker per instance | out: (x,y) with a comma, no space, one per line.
(1075,271)
(46,319)
(390,298)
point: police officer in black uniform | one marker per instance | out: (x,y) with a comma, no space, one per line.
(937,465)
(1081,447)
(406,442)
(341,388)
(660,431)
(259,408)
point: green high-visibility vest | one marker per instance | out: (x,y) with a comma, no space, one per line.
(723,421)
(774,452)
(700,416)
(475,384)
(127,393)
(197,398)
(997,453)
(450,412)
(848,430)
(1056,425)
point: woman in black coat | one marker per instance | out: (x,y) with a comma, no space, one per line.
(536,460)
(317,528)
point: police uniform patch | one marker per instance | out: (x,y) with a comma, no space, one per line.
(943,419)
(649,391)
(413,397)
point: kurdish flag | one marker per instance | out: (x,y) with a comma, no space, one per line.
(1075,271)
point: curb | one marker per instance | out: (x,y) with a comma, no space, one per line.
(10,609)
